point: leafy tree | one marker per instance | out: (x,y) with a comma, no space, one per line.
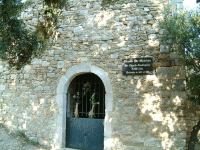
(105,3)
(18,45)
(182,33)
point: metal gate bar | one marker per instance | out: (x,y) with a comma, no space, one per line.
(85,105)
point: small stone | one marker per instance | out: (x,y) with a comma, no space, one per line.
(149,17)
(13,76)
(146,9)
(83,12)
(87,26)
(51,74)
(104,47)
(152,36)
(114,56)
(57,57)
(1,68)
(179,85)
(26,76)
(78,30)
(45,63)
(131,18)
(72,58)
(36,62)
(60,64)
(153,142)
(84,59)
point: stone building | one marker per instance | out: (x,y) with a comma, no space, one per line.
(92,57)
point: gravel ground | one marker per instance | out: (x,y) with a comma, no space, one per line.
(10,141)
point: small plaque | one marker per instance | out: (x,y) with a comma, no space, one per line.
(137,66)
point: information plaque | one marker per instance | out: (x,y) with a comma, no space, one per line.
(137,66)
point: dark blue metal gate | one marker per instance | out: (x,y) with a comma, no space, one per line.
(85,100)
(85,133)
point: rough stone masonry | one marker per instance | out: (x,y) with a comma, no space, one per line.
(142,111)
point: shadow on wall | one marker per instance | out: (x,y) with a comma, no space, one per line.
(29,105)
(150,114)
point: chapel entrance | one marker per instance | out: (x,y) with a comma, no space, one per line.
(85,113)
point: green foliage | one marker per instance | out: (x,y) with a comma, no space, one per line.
(105,3)
(23,136)
(56,3)
(18,45)
(182,33)
(51,12)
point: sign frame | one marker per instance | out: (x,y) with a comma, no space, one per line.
(137,66)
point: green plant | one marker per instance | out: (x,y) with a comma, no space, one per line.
(182,34)
(52,14)
(18,45)
(23,136)
(105,3)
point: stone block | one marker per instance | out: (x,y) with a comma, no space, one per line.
(153,142)
(60,64)
(45,63)
(13,76)
(72,59)
(57,58)
(149,17)
(115,56)
(2,87)
(104,47)
(131,143)
(36,62)
(178,98)
(174,55)
(146,9)
(152,36)
(1,68)
(179,62)
(179,85)
(84,59)
(27,68)
(180,142)
(78,30)
(181,135)
(171,72)
(26,76)
(83,12)
(51,75)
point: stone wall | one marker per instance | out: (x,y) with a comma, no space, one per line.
(148,110)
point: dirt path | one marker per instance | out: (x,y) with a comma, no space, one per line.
(9,141)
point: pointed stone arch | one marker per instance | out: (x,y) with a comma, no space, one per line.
(61,101)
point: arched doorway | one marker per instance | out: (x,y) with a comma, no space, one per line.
(85,113)
(62,88)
